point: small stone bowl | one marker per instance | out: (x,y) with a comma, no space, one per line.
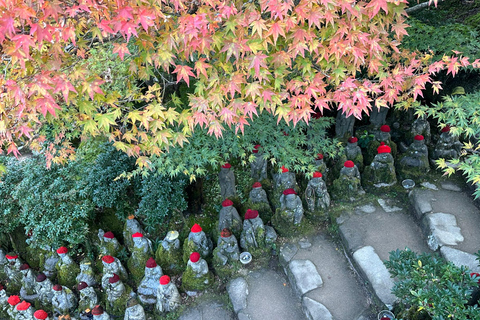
(245,257)
(408,184)
(386,314)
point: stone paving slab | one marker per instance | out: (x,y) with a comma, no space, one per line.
(303,276)
(314,310)
(460,258)
(376,273)
(443,226)
(208,310)
(238,291)
(340,284)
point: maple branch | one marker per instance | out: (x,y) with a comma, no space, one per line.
(419,6)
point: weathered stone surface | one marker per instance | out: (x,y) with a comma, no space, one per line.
(314,310)
(460,258)
(287,252)
(386,207)
(211,310)
(243,316)
(376,273)
(368,208)
(420,200)
(238,291)
(303,276)
(429,185)
(447,185)
(443,226)
(304,244)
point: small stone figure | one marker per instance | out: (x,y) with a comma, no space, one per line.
(63,301)
(13,301)
(12,271)
(421,126)
(320,165)
(226,179)
(134,310)
(414,164)
(24,311)
(169,253)
(40,315)
(141,251)
(380,136)
(229,217)
(285,180)
(147,290)
(354,153)
(168,298)
(51,259)
(253,233)
(3,302)
(131,226)
(44,289)
(88,297)
(86,273)
(108,243)
(290,213)
(111,266)
(258,200)
(381,172)
(67,269)
(99,314)
(316,194)
(226,255)
(258,167)
(448,146)
(197,241)
(117,295)
(196,277)
(348,186)
(28,290)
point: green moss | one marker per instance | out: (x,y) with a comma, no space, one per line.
(67,274)
(225,271)
(170,261)
(117,308)
(136,265)
(284,225)
(191,283)
(415,173)
(371,176)
(36,257)
(371,151)
(264,211)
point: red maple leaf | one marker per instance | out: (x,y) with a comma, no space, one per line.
(105,26)
(376,5)
(146,18)
(276,30)
(121,49)
(201,67)
(258,61)
(184,72)
(47,105)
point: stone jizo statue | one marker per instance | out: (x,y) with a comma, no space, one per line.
(131,226)
(197,264)
(86,273)
(253,233)
(415,161)
(134,310)
(285,179)
(226,179)
(258,195)
(99,314)
(111,266)
(44,289)
(229,217)
(24,311)
(88,297)
(316,194)
(227,247)
(115,289)
(63,301)
(3,298)
(168,298)
(447,146)
(40,315)
(28,291)
(51,259)
(292,204)
(258,168)
(147,290)
(381,172)
(108,243)
(67,269)
(199,241)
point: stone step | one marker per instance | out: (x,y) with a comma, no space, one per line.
(303,276)
(460,258)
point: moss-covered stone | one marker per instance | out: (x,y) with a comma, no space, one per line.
(372,147)
(170,261)
(117,308)
(265,212)
(384,176)
(191,283)
(346,188)
(282,221)
(67,274)
(35,257)
(136,264)
(225,271)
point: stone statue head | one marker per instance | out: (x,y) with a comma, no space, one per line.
(132,302)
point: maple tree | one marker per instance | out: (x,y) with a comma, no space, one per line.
(282,57)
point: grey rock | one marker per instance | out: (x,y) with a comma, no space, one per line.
(243,316)
(342,218)
(429,185)
(386,207)
(303,276)
(238,291)
(376,273)
(447,185)
(304,244)
(443,226)
(460,258)
(314,310)
(211,310)
(421,201)
(287,252)
(368,208)
(270,235)
(432,242)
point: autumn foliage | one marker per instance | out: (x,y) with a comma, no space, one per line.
(287,58)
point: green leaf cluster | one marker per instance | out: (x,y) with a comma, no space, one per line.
(428,284)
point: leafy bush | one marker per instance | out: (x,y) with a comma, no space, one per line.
(428,285)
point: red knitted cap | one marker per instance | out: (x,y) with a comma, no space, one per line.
(13,300)
(11,256)
(227,203)
(108,259)
(1,287)
(353,139)
(257,185)
(419,137)
(284,169)
(383,148)
(109,235)
(349,164)
(317,174)
(255,149)
(40,315)
(195,256)
(196,228)
(289,191)
(164,280)
(62,250)
(446,129)
(227,166)
(97,311)
(82,285)
(114,279)
(151,263)
(319,156)
(251,214)
(24,266)
(22,306)
(137,235)
(225,233)
(41,277)
(385,128)
(57,287)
